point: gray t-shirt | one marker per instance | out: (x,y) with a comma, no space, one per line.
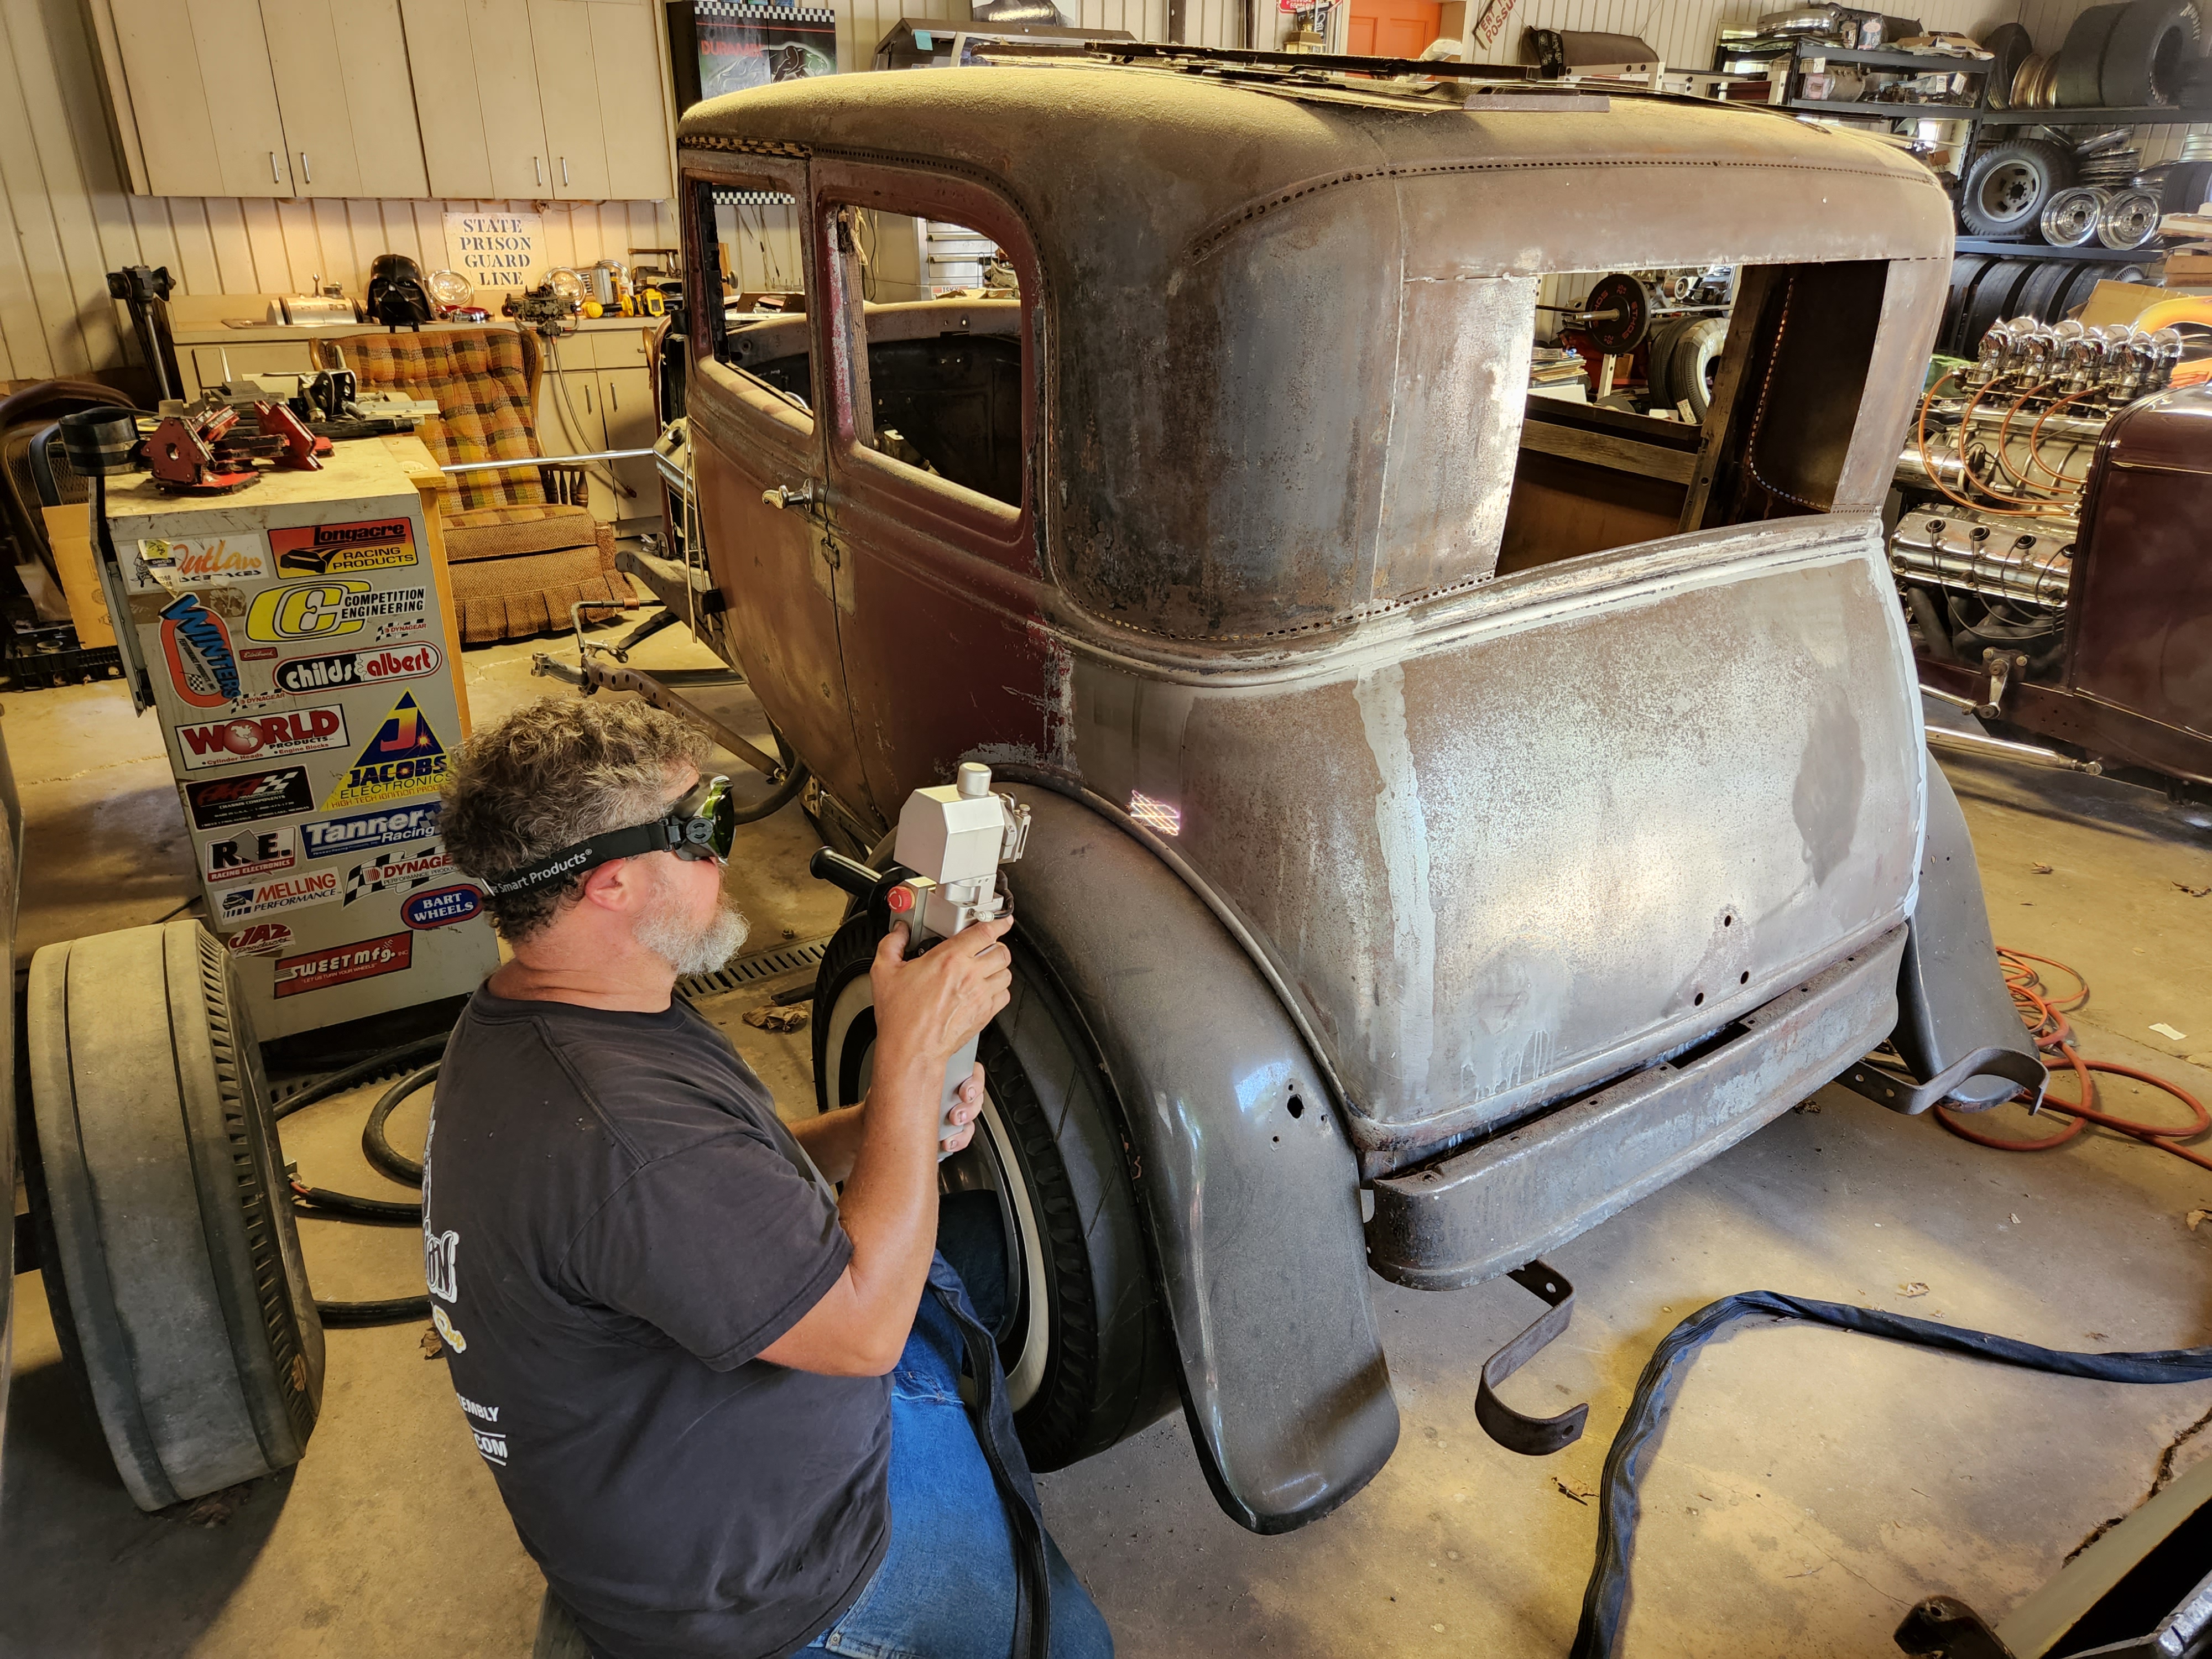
(614,1224)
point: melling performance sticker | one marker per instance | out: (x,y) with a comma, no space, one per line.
(260,938)
(260,737)
(301,675)
(362,830)
(222,802)
(235,557)
(195,646)
(318,970)
(405,757)
(264,898)
(332,608)
(442,907)
(249,853)
(397,872)
(339,550)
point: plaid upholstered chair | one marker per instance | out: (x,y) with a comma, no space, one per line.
(521,545)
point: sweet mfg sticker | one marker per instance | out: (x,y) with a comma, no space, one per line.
(341,964)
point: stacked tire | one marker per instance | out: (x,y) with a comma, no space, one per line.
(1986,289)
(1684,358)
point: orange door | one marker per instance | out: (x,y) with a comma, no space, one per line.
(1390,28)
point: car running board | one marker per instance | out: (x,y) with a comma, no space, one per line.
(1532,1437)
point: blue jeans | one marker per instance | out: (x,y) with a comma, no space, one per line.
(945,1589)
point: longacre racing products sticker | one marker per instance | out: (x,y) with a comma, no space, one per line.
(397,872)
(249,853)
(318,970)
(262,898)
(301,675)
(441,909)
(260,737)
(223,802)
(260,938)
(195,646)
(332,609)
(339,550)
(235,557)
(362,830)
(403,758)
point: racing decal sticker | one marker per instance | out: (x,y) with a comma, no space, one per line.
(442,907)
(196,645)
(262,898)
(223,802)
(362,830)
(260,938)
(339,550)
(235,555)
(249,853)
(404,757)
(301,675)
(399,873)
(261,736)
(332,608)
(341,964)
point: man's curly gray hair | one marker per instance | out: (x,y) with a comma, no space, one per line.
(550,774)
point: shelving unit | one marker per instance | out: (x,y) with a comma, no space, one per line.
(1799,52)
(2095,253)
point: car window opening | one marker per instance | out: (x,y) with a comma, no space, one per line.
(754,235)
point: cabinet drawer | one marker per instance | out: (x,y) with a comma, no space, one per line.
(621,348)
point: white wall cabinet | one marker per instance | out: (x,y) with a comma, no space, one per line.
(200,70)
(340,67)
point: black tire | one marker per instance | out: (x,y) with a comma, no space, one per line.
(1083,1339)
(2009,46)
(2081,285)
(167,1245)
(1694,363)
(2187,188)
(1993,302)
(2152,43)
(1965,268)
(2008,185)
(1659,361)
(2081,59)
(2040,293)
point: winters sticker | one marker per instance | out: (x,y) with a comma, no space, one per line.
(339,550)
(363,831)
(318,970)
(223,802)
(260,737)
(397,872)
(262,898)
(195,646)
(301,676)
(404,757)
(260,938)
(442,907)
(239,557)
(249,853)
(332,609)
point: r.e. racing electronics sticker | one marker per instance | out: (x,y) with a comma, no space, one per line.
(260,737)
(441,907)
(404,757)
(359,831)
(298,676)
(341,964)
(261,899)
(221,803)
(338,549)
(397,872)
(249,853)
(334,608)
(195,647)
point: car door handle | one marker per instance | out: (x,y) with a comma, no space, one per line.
(789,496)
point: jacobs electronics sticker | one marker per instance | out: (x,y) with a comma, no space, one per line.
(399,873)
(332,608)
(260,938)
(441,907)
(339,668)
(247,853)
(196,648)
(404,757)
(264,898)
(222,802)
(341,964)
(359,831)
(339,550)
(235,557)
(260,737)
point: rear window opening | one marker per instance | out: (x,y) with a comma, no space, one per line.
(755,236)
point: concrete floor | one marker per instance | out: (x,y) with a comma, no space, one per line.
(1811,1487)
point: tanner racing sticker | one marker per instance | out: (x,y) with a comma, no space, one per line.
(404,757)
(362,830)
(260,938)
(341,964)
(249,853)
(195,647)
(234,556)
(262,898)
(260,737)
(303,675)
(339,550)
(332,608)
(441,907)
(397,872)
(222,802)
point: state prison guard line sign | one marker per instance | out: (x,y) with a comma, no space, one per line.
(497,250)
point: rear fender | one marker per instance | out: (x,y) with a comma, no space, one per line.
(1247,1185)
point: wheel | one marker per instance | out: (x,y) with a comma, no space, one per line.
(170,1257)
(2152,43)
(2129,220)
(1993,300)
(2009,46)
(2008,185)
(1081,1334)
(2080,60)
(1694,363)
(2070,217)
(2039,292)
(1659,360)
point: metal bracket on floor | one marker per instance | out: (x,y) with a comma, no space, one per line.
(663,689)
(1902,1093)
(1532,1437)
(1944,1627)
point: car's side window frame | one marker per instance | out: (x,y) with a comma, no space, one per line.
(741,395)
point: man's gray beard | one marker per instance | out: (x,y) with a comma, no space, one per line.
(686,946)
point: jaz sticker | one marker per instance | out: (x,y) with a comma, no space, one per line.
(195,646)
(362,830)
(260,737)
(341,964)
(234,556)
(260,938)
(404,757)
(262,898)
(249,853)
(338,549)
(334,608)
(442,907)
(301,675)
(397,872)
(222,802)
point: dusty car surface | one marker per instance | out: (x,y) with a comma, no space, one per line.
(1456,813)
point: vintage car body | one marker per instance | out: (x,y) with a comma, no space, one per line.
(1539,795)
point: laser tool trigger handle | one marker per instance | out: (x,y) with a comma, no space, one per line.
(957,1071)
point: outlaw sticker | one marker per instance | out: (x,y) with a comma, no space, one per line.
(397,872)
(338,549)
(403,758)
(363,831)
(223,802)
(330,609)
(301,675)
(196,645)
(263,898)
(442,907)
(260,938)
(260,737)
(234,556)
(318,970)
(249,853)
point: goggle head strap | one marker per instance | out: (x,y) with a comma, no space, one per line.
(699,825)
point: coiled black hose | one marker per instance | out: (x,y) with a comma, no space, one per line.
(380,1151)
(348,1207)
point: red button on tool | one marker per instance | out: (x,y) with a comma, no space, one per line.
(900,898)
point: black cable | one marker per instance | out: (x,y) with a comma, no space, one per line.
(342,1313)
(376,1148)
(348,1207)
(1606,1600)
(339,1082)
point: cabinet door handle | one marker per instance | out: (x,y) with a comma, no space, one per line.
(614,395)
(275,177)
(564,172)
(587,400)
(305,172)
(538,165)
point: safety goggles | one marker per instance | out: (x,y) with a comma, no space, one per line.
(701,825)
